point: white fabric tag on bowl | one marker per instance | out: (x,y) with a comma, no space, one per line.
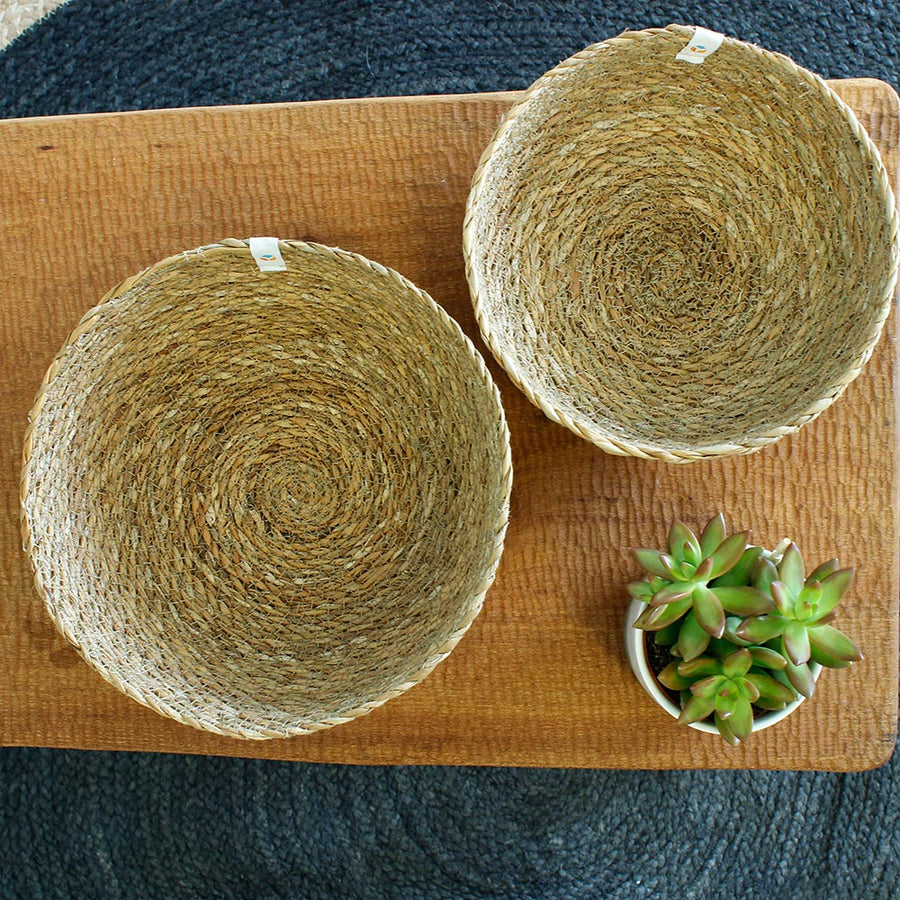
(703,43)
(267,254)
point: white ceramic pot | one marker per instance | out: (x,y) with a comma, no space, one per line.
(635,648)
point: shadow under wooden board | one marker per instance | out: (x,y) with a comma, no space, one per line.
(541,678)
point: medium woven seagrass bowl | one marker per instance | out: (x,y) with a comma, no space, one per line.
(265,503)
(681,261)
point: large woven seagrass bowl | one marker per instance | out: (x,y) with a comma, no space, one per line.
(681,261)
(265,503)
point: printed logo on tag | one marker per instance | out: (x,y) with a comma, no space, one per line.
(267,254)
(703,44)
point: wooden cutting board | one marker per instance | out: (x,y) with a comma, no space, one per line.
(541,678)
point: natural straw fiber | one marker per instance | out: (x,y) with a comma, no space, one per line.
(265,503)
(681,261)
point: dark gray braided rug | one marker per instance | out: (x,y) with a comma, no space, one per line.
(102,825)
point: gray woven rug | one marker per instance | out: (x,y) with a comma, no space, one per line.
(104,825)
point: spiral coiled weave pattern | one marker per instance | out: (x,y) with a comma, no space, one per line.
(681,261)
(264,504)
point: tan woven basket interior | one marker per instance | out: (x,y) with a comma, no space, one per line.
(264,504)
(681,261)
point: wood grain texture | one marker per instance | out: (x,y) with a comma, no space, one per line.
(541,678)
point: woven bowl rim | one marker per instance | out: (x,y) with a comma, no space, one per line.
(598,435)
(261,731)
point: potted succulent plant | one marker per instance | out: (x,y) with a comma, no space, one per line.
(730,637)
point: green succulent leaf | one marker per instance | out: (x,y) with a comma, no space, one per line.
(671,592)
(771,689)
(784,599)
(791,569)
(719,648)
(748,690)
(826,661)
(693,639)
(820,573)
(670,678)
(700,667)
(655,618)
(713,534)
(740,574)
(678,571)
(771,705)
(741,721)
(725,705)
(726,694)
(696,709)
(800,678)
(834,586)
(743,600)
(709,611)
(796,643)
(724,728)
(737,664)
(768,658)
(652,562)
(834,643)
(704,571)
(759,629)
(641,590)
(727,554)
(732,623)
(808,601)
(710,686)
(764,573)
(683,544)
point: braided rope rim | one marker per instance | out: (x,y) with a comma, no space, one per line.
(261,731)
(586,429)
